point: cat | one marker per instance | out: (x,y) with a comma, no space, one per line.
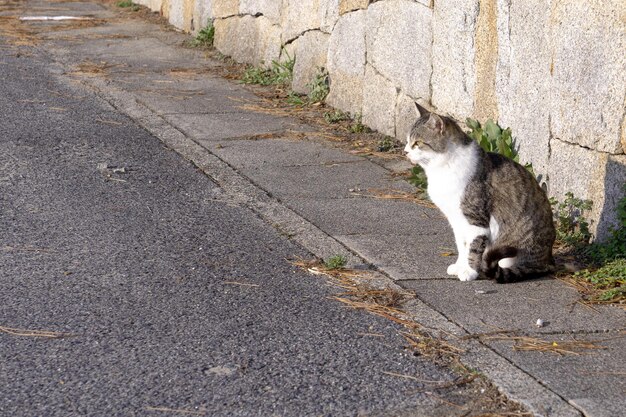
(501,217)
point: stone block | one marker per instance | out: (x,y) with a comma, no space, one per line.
(346,62)
(399,41)
(346,6)
(331,15)
(523,77)
(379,102)
(201,14)
(181,14)
(486,60)
(406,115)
(592,175)
(606,211)
(248,39)
(589,73)
(224,8)
(454,74)
(311,53)
(154,5)
(272,9)
(300,16)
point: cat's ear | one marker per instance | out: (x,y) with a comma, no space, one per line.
(421,110)
(435,122)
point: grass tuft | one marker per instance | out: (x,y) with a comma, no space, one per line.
(607,282)
(336,262)
(128,4)
(204,38)
(318,87)
(280,73)
(336,116)
(572,228)
(357,125)
(387,144)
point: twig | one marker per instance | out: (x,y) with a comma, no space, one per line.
(33,333)
(176,410)
(243,284)
(412,377)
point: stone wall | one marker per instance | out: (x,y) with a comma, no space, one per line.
(553,71)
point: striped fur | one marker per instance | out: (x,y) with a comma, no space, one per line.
(501,218)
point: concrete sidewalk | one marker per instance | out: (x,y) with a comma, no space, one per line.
(309,189)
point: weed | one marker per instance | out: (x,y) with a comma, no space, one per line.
(335,116)
(127,4)
(610,280)
(357,125)
(387,144)
(280,73)
(336,262)
(418,178)
(256,75)
(492,138)
(205,37)
(318,87)
(572,228)
(296,99)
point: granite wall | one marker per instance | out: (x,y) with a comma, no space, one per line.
(553,71)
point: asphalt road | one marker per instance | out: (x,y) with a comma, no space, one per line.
(129,251)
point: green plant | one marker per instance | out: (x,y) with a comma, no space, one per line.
(492,138)
(357,125)
(296,99)
(387,144)
(335,116)
(609,279)
(572,228)
(127,4)
(615,246)
(418,177)
(318,87)
(336,262)
(205,37)
(280,72)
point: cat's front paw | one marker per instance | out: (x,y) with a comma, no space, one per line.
(467,274)
(453,269)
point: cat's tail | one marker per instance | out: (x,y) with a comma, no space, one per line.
(514,272)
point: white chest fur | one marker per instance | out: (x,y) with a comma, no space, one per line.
(448,178)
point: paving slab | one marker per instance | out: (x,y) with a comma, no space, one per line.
(594,382)
(215,127)
(44,8)
(279,152)
(484,306)
(109,30)
(365,215)
(148,54)
(321,181)
(406,257)
(183,97)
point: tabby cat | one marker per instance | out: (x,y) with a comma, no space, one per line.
(501,218)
